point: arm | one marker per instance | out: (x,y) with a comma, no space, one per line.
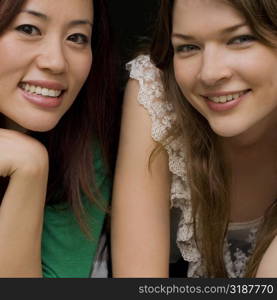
(140,207)
(268,264)
(25,162)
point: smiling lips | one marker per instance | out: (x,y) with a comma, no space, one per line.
(42,93)
(38,90)
(44,88)
(223,101)
(224,97)
(227,97)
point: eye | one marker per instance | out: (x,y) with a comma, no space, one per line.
(78,38)
(242,39)
(186,48)
(28,29)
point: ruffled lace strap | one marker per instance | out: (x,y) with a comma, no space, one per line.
(151,96)
(163,117)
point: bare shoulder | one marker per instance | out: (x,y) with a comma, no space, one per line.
(136,142)
(131,105)
(268,265)
(136,122)
(140,204)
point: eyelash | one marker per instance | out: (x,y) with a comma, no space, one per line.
(186,48)
(246,38)
(243,39)
(84,38)
(74,38)
(22,28)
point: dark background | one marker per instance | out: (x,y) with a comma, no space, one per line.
(131,21)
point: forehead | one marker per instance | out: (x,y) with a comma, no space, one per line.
(69,9)
(203,15)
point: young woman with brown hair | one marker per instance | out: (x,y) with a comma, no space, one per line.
(57,135)
(210,89)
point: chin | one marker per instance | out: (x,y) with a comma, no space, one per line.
(42,126)
(226,134)
(227,131)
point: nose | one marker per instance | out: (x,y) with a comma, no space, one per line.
(52,57)
(214,69)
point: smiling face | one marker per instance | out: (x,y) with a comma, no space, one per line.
(222,69)
(45,56)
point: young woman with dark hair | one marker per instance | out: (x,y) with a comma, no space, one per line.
(58,135)
(209,86)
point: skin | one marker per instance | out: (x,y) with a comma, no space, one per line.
(140,205)
(211,61)
(268,265)
(219,62)
(223,62)
(53,51)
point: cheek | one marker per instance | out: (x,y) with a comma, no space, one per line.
(86,66)
(185,76)
(81,70)
(267,74)
(12,59)
(259,67)
(9,47)
(180,76)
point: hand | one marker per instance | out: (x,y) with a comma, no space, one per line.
(20,152)
(25,161)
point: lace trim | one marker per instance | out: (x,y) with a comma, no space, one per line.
(245,225)
(163,117)
(237,268)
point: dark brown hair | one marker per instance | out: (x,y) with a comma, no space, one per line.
(207,170)
(92,121)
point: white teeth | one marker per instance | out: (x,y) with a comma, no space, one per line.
(44,92)
(224,99)
(230,97)
(40,90)
(52,93)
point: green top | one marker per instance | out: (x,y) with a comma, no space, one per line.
(66,251)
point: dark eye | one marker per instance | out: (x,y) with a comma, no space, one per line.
(78,38)
(186,48)
(242,39)
(28,29)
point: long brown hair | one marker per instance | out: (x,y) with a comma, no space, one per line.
(92,121)
(207,170)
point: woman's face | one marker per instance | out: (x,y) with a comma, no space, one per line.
(222,69)
(45,57)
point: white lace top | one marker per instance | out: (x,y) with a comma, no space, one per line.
(240,239)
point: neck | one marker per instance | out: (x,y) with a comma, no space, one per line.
(9,124)
(252,163)
(255,143)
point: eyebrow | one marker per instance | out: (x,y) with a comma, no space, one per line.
(45,17)
(223,31)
